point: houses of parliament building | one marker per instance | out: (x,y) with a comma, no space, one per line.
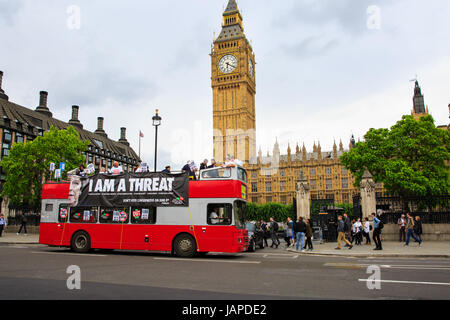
(272,178)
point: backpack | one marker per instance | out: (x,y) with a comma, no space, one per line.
(275,226)
(380,225)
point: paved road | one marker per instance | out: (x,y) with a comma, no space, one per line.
(39,272)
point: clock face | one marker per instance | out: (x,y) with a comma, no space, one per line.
(251,68)
(228,63)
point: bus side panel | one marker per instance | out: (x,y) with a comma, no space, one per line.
(54,234)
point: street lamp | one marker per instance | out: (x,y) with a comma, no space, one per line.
(156,123)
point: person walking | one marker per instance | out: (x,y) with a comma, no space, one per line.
(347,228)
(410,230)
(309,235)
(341,234)
(377,227)
(264,228)
(401,222)
(291,225)
(289,232)
(274,233)
(2,223)
(23,225)
(300,231)
(418,228)
(357,232)
(366,231)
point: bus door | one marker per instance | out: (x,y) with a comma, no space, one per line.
(216,235)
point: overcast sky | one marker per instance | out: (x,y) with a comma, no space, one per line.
(326,69)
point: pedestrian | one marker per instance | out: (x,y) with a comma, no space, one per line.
(341,234)
(204,164)
(116,169)
(287,233)
(264,228)
(347,228)
(352,233)
(401,222)
(309,235)
(23,225)
(274,233)
(300,231)
(418,228)
(377,227)
(2,224)
(291,225)
(410,230)
(366,230)
(357,232)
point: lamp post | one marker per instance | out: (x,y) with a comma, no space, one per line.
(156,123)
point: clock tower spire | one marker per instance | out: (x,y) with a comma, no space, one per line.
(234,87)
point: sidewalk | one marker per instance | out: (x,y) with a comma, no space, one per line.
(435,249)
(12,238)
(430,249)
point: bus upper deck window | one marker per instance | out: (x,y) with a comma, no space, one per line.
(218,173)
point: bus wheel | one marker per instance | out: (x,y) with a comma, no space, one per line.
(81,242)
(185,246)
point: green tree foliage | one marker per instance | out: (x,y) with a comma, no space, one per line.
(27,165)
(280,212)
(411,158)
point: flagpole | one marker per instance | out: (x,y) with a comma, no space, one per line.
(139,144)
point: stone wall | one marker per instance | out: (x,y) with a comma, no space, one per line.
(431,232)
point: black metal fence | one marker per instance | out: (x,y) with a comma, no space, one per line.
(32,220)
(430,209)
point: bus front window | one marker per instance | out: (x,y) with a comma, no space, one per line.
(239,214)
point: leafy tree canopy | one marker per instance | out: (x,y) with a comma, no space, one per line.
(411,158)
(27,165)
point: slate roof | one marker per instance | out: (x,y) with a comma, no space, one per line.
(31,122)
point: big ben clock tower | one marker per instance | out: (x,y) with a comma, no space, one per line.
(234,88)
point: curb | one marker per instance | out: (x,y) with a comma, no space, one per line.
(369,255)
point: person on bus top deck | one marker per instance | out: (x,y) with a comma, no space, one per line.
(81,171)
(190,167)
(213,164)
(116,169)
(167,169)
(204,164)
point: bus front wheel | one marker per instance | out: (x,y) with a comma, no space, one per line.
(81,242)
(185,246)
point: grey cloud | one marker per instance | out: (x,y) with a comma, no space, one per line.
(8,9)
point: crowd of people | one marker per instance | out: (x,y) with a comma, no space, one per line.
(353,232)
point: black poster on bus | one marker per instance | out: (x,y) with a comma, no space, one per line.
(131,189)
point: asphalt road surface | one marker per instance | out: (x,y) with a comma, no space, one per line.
(39,272)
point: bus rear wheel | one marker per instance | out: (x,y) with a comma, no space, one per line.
(81,242)
(185,246)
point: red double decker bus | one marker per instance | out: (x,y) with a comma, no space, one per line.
(212,222)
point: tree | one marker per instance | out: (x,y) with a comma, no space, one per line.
(411,159)
(27,165)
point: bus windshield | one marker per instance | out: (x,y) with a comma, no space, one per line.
(239,214)
(242,175)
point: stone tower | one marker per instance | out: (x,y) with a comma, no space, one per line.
(234,88)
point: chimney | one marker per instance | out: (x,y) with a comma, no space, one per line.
(100,130)
(42,108)
(2,92)
(74,121)
(123,138)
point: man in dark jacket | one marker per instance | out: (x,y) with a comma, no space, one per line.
(347,228)
(341,234)
(418,228)
(274,233)
(300,230)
